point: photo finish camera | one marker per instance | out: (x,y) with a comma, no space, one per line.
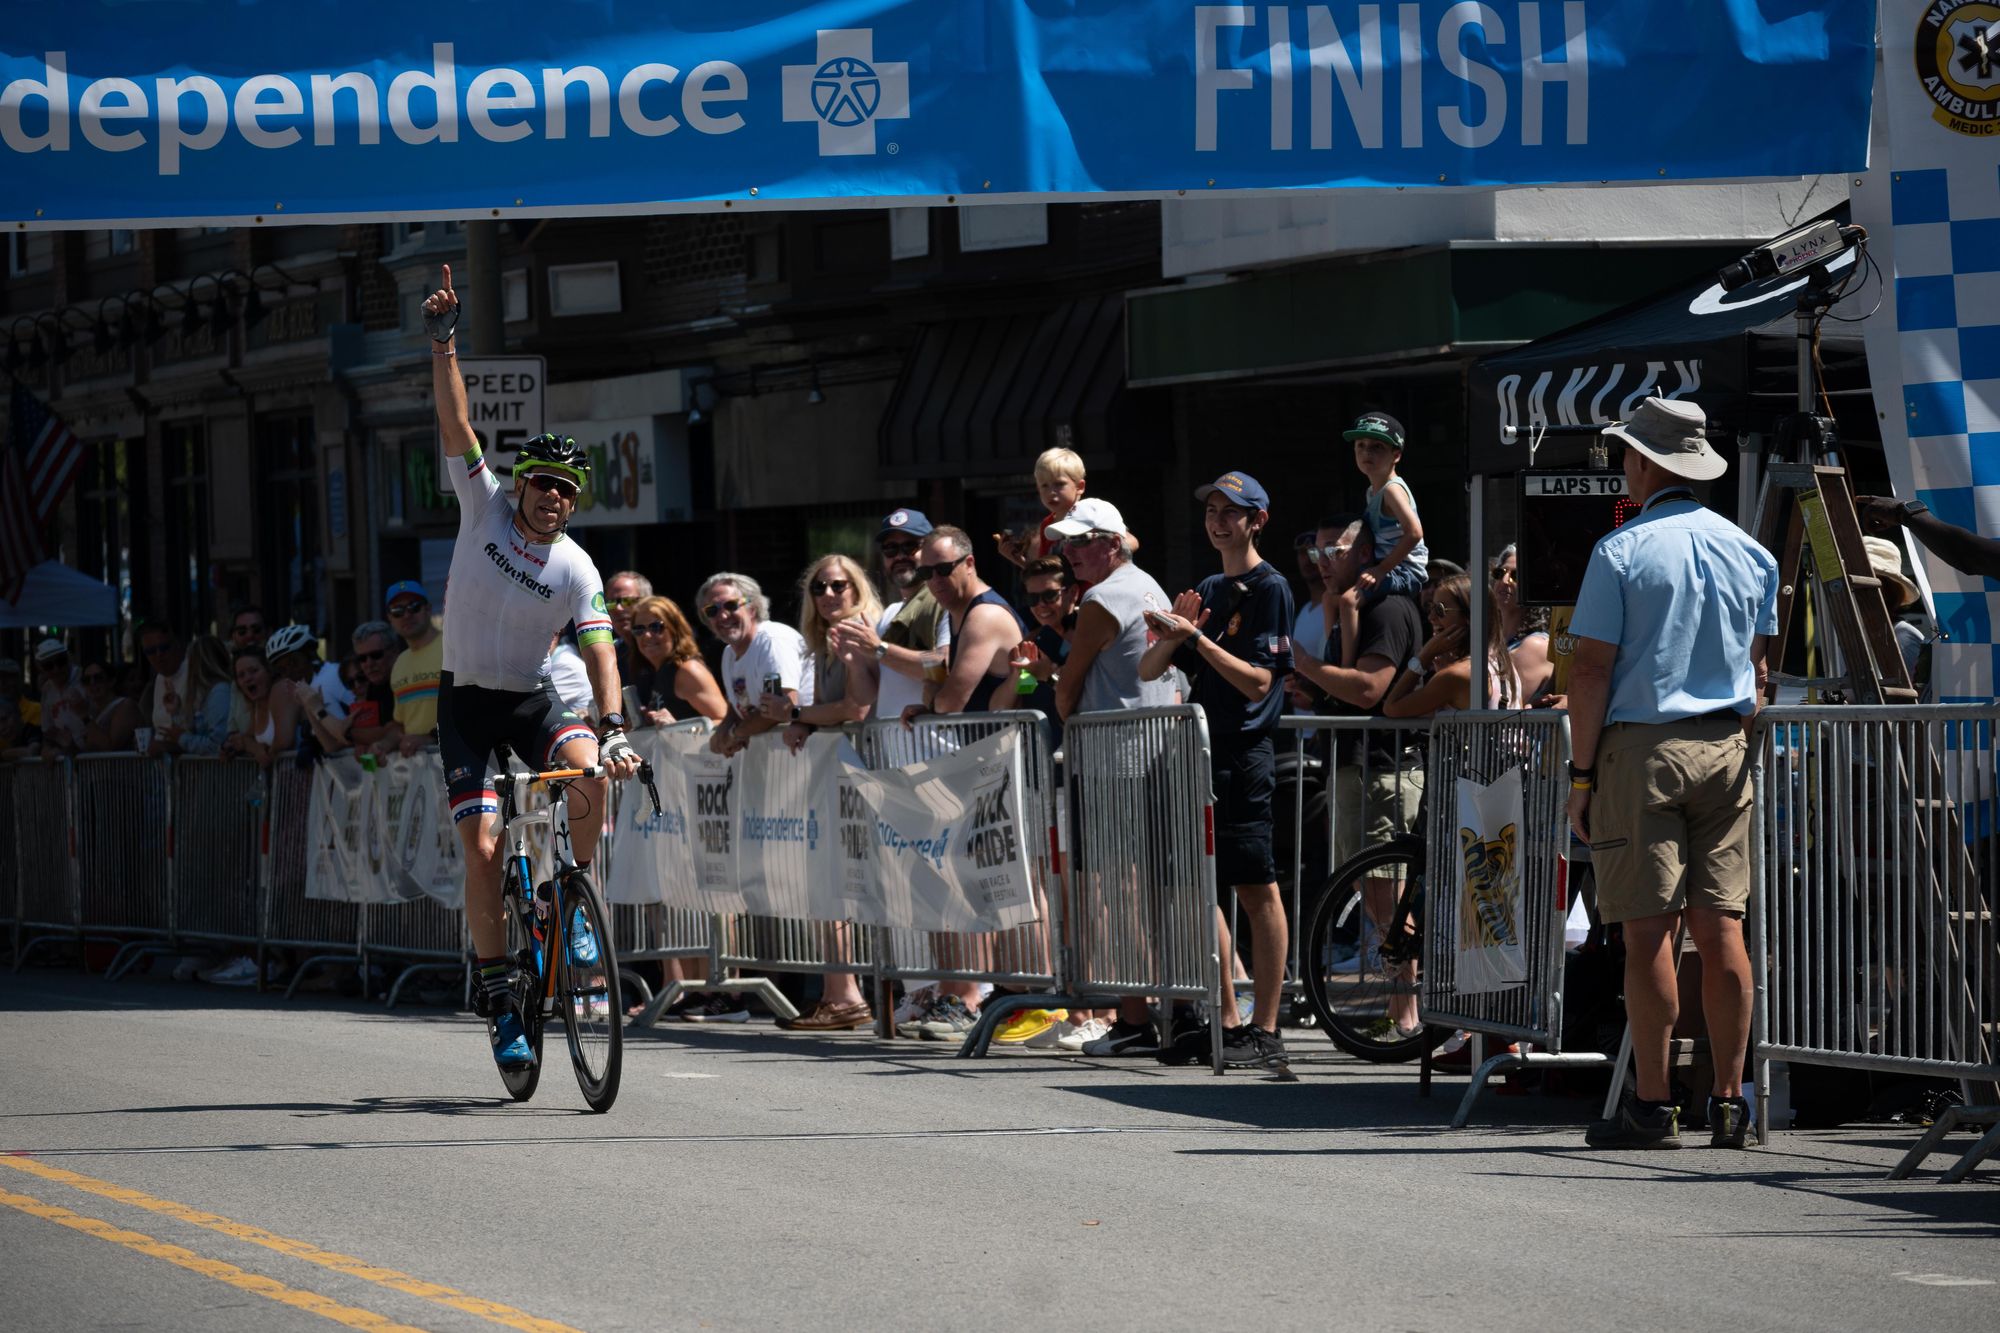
(1801,249)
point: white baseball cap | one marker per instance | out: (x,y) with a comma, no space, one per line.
(1088,515)
(49,649)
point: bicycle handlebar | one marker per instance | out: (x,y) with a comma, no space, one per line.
(508,782)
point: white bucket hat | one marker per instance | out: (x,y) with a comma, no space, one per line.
(1672,434)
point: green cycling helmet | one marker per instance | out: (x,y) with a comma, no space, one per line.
(555,453)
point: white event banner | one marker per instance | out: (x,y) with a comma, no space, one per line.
(382,835)
(1490,906)
(816,835)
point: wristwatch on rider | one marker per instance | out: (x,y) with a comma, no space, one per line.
(611,722)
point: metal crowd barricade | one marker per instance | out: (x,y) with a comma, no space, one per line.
(118,801)
(44,858)
(422,932)
(1139,862)
(1026,955)
(326,933)
(1334,761)
(1480,747)
(1876,863)
(653,932)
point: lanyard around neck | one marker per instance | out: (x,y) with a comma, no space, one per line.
(1667,496)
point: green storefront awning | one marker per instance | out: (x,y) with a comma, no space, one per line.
(1388,308)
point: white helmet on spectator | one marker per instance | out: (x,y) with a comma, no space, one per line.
(290,639)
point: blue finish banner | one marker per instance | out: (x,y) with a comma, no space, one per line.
(180,111)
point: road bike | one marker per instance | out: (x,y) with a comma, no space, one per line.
(559,938)
(1355,965)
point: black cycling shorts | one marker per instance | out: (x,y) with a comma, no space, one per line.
(472,720)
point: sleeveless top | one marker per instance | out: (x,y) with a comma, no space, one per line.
(982,695)
(1387,531)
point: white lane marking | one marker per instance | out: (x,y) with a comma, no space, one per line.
(682,1073)
(1943,1280)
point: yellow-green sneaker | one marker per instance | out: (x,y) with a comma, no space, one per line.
(1031,1027)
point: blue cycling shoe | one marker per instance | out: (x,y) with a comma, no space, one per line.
(510,1042)
(582,940)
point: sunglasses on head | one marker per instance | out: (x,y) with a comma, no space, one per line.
(561,487)
(657,627)
(375,656)
(1045,597)
(941,570)
(717,609)
(821,587)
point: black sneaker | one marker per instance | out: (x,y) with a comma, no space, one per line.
(1125,1039)
(1188,1046)
(1247,1046)
(718,1008)
(1636,1128)
(1728,1121)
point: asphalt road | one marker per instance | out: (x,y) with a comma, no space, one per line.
(177,1157)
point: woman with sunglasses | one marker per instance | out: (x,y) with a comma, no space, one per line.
(110,719)
(1445,684)
(1525,631)
(844,685)
(669,679)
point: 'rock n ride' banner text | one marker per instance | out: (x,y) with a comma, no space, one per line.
(259,111)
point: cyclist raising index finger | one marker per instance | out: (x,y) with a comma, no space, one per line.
(516,581)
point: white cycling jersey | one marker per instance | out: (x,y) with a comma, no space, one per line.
(508,597)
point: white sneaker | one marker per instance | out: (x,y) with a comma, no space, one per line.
(1074,1035)
(235,972)
(914,1006)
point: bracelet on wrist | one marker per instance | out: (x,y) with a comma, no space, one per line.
(448,351)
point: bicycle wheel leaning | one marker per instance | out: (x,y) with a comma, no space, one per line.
(520,1080)
(587,991)
(1367,1002)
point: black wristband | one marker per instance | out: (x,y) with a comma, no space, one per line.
(1581,774)
(796,710)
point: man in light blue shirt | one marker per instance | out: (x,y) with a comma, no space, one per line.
(1671,628)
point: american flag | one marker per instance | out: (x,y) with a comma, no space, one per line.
(36,470)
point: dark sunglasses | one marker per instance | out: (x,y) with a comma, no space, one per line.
(559,486)
(821,587)
(657,627)
(715,610)
(901,548)
(940,570)
(1045,597)
(1501,572)
(1083,539)
(375,656)
(407,608)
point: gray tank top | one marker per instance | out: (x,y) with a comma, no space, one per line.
(1113,679)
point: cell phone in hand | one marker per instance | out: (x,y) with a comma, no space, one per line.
(1161,621)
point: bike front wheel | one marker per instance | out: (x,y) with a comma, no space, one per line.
(1359,996)
(587,991)
(521,1080)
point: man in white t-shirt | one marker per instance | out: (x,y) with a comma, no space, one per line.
(759,659)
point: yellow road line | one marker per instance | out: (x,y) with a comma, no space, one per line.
(297,1249)
(309,1301)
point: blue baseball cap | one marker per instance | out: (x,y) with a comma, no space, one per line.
(401,586)
(1241,488)
(910,522)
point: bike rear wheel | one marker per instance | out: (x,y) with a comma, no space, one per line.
(588,992)
(521,1080)
(1356,994)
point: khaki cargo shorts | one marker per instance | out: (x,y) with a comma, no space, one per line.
(1670,819)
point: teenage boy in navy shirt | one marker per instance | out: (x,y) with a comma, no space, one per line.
(1232,638)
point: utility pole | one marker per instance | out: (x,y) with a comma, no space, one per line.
(481,289)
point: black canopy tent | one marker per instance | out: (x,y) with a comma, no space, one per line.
(1734,353)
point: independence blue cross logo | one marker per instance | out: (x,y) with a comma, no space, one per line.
(847,92)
